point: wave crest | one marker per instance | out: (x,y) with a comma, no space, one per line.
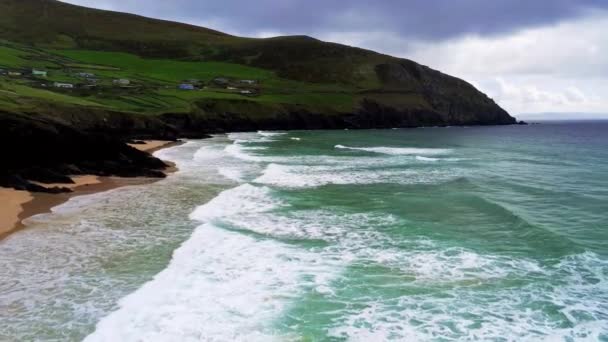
(399,151)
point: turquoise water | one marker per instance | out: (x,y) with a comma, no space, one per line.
(435,234)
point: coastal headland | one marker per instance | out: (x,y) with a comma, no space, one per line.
(76,99)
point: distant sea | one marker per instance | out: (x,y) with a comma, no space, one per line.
(433,234)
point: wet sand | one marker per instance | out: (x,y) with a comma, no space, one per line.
(152,146)
(11,207)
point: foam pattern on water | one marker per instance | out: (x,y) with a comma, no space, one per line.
(483,312)
(220,286)
(289,240)
(399,150)
(291,176)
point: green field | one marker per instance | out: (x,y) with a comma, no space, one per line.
(154,82)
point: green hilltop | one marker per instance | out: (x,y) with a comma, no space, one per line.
(85,52)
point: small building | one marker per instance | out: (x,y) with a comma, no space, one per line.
(221,80)
(248,81)
(63,85)
(186,86)
(85,75)
(39,73)
(122,82)
(15,73)
(231,88)
(247,92)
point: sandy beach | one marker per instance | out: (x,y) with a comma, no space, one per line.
(152,146)
(12,205)
(19,205)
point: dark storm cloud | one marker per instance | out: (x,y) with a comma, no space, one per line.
(425,20)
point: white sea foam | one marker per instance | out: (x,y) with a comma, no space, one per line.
(399,150)
(220,286)
(270,134)
(314,224)
(296,138)
(305,176)
(450,265)
(236,150)
(299,176)
(232,173)
(209,152)
(429,159)
(465,312)
(426,159)
(243,199)
(243,136)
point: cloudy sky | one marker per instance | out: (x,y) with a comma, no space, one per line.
(531,56)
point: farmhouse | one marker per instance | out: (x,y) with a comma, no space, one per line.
(85,75)
(122,82)
(186,86)
(63,85)
(221,81)
(39,73)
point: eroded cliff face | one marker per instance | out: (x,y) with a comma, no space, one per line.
(455,101)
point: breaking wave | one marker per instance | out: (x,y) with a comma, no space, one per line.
(398,151)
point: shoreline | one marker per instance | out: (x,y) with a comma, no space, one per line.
(24,204)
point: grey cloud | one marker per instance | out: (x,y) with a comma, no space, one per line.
(422,20)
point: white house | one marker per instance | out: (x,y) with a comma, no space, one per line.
(122,82)
(63,85)
(39,73)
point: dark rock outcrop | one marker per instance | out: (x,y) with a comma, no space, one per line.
(46,150)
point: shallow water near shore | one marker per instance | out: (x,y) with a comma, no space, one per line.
(481,233)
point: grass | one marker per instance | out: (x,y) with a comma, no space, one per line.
(158,54)
(339,102)
(11,58)
(165,70)
(20,91)
(157,79)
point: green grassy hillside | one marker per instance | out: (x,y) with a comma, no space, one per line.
(156,56)
(154,82)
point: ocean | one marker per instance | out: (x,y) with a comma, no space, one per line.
(429,234)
